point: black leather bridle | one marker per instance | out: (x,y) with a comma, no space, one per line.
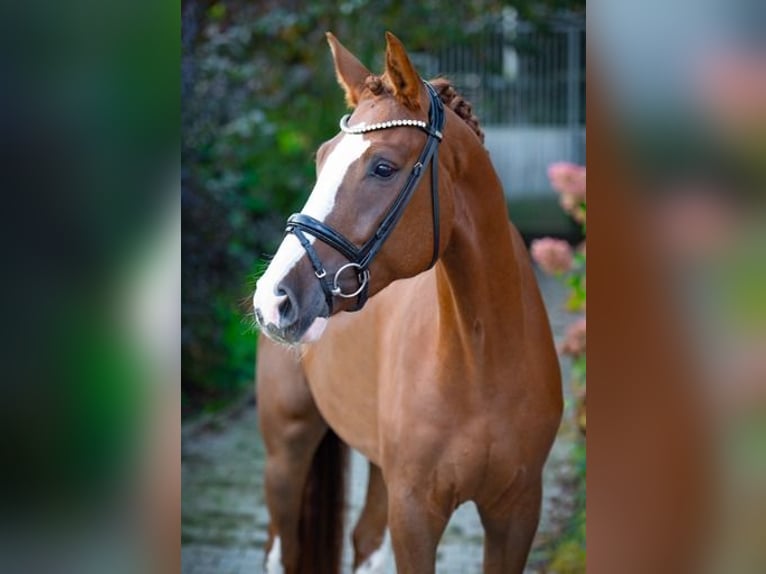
(360,258)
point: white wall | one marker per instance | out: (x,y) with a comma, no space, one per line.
(521,155)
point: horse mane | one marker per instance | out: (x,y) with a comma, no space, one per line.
(457,104)
(447,93)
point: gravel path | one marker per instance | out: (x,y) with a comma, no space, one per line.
(224,519)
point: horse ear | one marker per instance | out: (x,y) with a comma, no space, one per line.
(350,71)
(401,73)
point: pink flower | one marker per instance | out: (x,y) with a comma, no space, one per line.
(568,179)
(574,340)
(554,256)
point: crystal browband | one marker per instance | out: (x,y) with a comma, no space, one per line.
(386,125)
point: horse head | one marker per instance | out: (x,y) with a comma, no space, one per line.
(380,209)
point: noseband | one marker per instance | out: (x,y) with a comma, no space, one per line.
(360,258)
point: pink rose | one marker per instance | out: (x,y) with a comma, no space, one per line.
(554,256)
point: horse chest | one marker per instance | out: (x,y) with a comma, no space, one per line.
(345,391)
(460,456)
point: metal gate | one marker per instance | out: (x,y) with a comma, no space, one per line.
(527,86)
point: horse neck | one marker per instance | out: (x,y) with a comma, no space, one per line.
(478,276)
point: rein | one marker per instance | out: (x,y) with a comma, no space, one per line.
(360,258)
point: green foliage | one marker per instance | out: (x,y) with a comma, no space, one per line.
(576,283)
(579,371)
(740,285)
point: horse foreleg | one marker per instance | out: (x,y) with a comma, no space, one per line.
(417,520)
(370,530)
(286,474)
(292,429)
(509,531)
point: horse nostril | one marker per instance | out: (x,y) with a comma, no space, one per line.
(288,307)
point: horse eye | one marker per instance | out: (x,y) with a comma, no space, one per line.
(383,170)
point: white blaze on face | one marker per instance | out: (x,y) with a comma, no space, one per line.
(319,205)
(322,199)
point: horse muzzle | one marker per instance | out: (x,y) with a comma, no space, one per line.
(289,315)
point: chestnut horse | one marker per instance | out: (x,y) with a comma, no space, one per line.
(445,377)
